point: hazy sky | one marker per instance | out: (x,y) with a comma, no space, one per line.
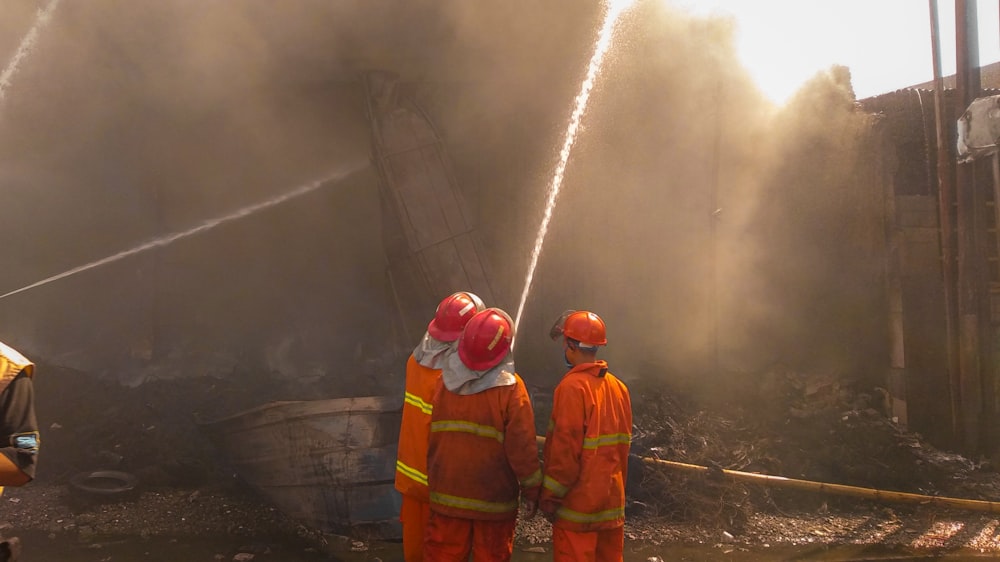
(885,43)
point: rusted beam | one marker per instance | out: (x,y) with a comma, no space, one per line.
(946,200)
(970,257)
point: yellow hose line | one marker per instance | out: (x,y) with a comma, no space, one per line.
(824,487)
(838,489)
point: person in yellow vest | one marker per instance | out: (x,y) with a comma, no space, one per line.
(19,440)
(423,376)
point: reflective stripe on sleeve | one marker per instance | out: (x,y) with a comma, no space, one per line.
(534,479)
(606,440)
(554,486)
(420,403)
(411,473)
(467,427)
(473,504)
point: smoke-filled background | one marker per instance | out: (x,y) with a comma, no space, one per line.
(712,232)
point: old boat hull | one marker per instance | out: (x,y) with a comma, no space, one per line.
(327,463)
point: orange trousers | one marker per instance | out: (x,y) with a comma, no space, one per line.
(414,515)
(451,539)
(594,546)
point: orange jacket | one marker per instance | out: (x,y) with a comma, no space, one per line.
(586,450)
(415,429)
(483,452)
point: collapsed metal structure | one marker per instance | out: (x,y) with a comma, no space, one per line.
(429,234)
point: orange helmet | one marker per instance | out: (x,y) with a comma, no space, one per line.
(585,327)
(452,314)
(486,339)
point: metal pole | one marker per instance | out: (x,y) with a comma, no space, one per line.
(970,279)
(946,200)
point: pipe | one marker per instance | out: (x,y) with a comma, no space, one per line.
(822,487)
(946,202)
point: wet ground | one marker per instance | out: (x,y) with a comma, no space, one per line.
(223,524)
(190,506)
(39,546)
(42,547)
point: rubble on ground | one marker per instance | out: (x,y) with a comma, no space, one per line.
(805,427)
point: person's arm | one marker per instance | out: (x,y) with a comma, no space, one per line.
(564,447)
(520,444)
(19,441)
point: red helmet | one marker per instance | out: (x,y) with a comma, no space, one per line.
(452,314)
(586,328)
(486,339)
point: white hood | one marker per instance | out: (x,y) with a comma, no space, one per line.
(462,380)
(431,352)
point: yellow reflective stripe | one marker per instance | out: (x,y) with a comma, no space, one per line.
(533,480)
(467,427)
(578,517)
(552,424)
(606,440)
(411,473)
(473,504)
(552,485)
(414,400)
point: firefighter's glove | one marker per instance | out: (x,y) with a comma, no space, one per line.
(548,509)
(529,509)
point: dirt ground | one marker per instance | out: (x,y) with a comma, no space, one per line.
(813,429)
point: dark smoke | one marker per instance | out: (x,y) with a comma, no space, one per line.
(135,119)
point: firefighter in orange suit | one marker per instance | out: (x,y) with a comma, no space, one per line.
(586,448)
(483,455)
(423,376)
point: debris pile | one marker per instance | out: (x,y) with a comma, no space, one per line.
(781,423)
(806,427)
(92,423)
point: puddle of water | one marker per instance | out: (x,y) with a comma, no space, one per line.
(41,547)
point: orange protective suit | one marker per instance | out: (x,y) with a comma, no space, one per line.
(586,463)
(452,539)
(482,457)
(411,459)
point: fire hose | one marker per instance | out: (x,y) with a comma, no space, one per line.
(822,487)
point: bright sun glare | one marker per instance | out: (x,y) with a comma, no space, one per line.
(886,44)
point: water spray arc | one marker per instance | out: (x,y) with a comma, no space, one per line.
(604,39)
(42,18)
(164,240)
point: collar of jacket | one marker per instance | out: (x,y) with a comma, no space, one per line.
(12,364)
(462,380)
(430,351)
(598,368)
